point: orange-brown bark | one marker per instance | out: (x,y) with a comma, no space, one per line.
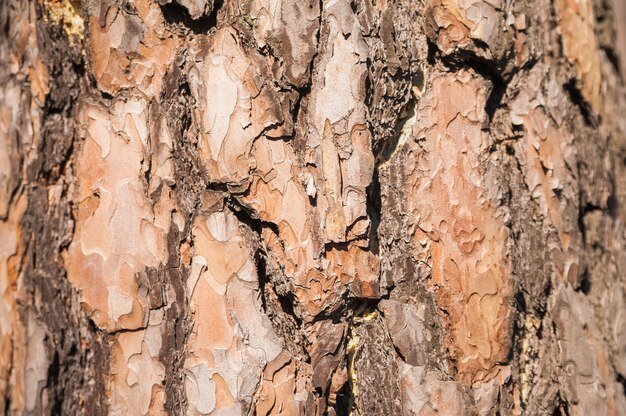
(305,208)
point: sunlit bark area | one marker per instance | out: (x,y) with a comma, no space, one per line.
(333,207)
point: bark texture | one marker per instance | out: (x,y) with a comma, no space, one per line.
(268,207)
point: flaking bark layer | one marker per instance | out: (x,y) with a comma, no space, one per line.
(312,207)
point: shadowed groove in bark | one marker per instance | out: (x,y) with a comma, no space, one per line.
(484,68)
(176,101)
(359,310)
(279,306)
(573,89)
(178,15)
(277,299)
(74,346)
(362,310)
(178,325)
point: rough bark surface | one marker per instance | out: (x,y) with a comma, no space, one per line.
(267,207)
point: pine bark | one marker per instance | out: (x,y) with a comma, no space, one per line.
(266,207)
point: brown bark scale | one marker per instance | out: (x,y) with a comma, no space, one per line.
(332,207)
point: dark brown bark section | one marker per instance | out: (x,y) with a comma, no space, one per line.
(75,349)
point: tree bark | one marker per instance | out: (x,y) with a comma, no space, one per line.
(265,207)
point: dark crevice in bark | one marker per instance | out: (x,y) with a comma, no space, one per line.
(432,52)
(586,208)
(612,202)
(622,381)
(71,366)
(218,187)
(248,216)
(177,103)
(53,379)
(105,96)
(606,21)
(573,90)
(270,297)
(585,283)
(276,295)
(75,375)
(561,407)
(176,316)
(259,260)
(490,70)
(178,15)
(520,302)
(66,68)
(499,85)
(5,21)
(373,209)
(178,323)
(494,100)
(345,400)
(360,307)
(614,59)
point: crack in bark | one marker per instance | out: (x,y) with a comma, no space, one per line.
(178,16)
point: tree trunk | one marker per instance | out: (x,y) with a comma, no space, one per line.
(270,207)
